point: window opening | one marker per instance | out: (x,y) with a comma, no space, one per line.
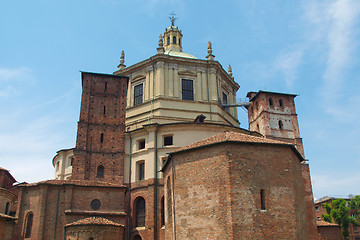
(29,223)
(180,42)
(141,170)
(168,40)
(104,110)
(174,40)
(271,102)
(168,140)
(137,237)
(141,144)
(140,212)
(281,102)
(187,89)
(7,208)
(95,204)
(138,94)
(102,137)
(105,87)
(162,211)
(168,199)
(281,125)
(100,171)
(224,98)
(262,197)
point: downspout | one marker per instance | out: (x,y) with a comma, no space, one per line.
(129,190)
(156,188)
(207,86)
(152,99)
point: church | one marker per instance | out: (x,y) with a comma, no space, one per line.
(160,155)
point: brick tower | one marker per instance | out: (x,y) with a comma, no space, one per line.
(99,153)
(274,116)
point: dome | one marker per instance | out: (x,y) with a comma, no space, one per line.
(179,54)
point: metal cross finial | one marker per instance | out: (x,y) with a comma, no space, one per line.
(172,18)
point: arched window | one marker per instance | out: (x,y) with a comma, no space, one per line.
(29,222)
(262,199)
(281,103)
(174,40)
(168,199)
(162,211)
(281,125)
(168,40)
(7,206)
(140,212)
(100,171)
(271,102)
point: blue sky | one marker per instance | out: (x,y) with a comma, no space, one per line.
(309,47)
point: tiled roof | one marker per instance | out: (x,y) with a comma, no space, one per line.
(326,224)
(232,137)
(74,182)
(94,221)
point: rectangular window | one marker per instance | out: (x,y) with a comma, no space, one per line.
(141,144)
(138,94)
(262,199)
(224,98)
(187,89)
(168,140)
(140,171)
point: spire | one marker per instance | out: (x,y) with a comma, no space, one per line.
(160,49)
(210,56)
(230,71)
(122,61)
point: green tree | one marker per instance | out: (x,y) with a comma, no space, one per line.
(339,212)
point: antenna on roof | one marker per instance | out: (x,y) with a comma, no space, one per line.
(172,18)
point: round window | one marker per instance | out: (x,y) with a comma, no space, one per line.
(95,204)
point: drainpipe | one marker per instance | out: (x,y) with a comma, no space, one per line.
(207,86)
(129,190)
(152,99)
(156,188)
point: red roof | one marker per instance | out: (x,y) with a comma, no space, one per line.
(73,182)
(326,224)
(231,137)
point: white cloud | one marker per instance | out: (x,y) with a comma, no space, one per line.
(335,27)
(8,91)
(327,185)
(287,63)
(7,74)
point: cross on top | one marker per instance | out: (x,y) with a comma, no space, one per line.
(172,18)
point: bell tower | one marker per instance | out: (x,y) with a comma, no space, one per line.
(274,116)
(100,144)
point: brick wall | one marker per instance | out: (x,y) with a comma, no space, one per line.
(100,139)
(217,193)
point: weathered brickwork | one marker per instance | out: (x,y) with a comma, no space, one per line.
(146,189)
(57,203)
(223,183)
(100,138)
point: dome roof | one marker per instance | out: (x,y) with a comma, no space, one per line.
(179,54)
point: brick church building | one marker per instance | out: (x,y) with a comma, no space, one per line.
(160,155)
